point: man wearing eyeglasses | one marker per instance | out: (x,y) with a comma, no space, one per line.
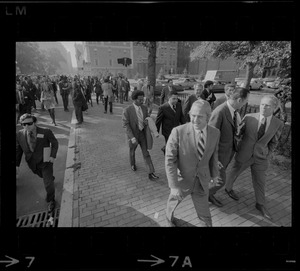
(40,148)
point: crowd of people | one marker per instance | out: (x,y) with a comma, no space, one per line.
(203,134)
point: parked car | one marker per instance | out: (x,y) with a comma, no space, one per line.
(273,84)
(218,86)
(255,83)
(186,83)
(159,86)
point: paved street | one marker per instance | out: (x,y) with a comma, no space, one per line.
(101,190)
(30,191)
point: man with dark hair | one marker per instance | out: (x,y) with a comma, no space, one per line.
(78,100)
(227,119)
(228,90)
(65,90)
(169,116)
(191,99)
(165,91)
(35,142)
(208,95)
(134,122)
(259,136)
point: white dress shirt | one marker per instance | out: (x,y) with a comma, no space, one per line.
(268,119)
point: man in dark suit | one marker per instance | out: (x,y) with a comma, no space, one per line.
(208,94)
(134,122)
(259,136)
(169,116)
(228,88)
(78,99)
(165,91)
(226,118)
(192,163)
(32,140)
(65,90)
(191,99)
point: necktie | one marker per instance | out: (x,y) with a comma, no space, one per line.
(262,128)
(32,141)
(234,121)
(174,108)
(140,118)
(201,146)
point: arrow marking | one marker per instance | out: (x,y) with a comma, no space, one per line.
(12,261)
(157,261)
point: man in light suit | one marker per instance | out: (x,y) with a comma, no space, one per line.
(32,140)
(259,137)
(191,163)
(169,116)
(226,118)
(191,99)
(134,122)
(165,91)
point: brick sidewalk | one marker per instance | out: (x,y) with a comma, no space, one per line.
(103,191)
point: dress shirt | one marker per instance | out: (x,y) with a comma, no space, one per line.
(231,110)
(204,134)
(268,119)
(136,110)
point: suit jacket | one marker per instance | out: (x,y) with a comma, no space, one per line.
(182,163)
(250,145)
(78,98)
(222,120)
(168,119)
(219,101)
(130,121)
(44,138)
(164,94)
(210,97)
(187,106)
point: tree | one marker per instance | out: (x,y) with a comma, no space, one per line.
(29,59)
(151,47)
(53,57)
(251,54)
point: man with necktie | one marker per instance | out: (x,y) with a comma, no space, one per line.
(35,142)
(259,136)
(165,91)
(169,116)
(226,118)
(191,163)
(134,122)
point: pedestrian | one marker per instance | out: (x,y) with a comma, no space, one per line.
(127,89)
(98,91)
(121,86)
(65,90)
(149,96)
(108,95)
(88,92)
(226,118)
(198,88)
(228,88)
(169,116)
(140,84)
(40,148)
(165,91)
(134,122)
(259,134)
(114,85)
(78,99)
(191,163)
(208,94)
(54,87)
(47,97)
(21,104)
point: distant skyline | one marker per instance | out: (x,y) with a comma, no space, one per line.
(70,47)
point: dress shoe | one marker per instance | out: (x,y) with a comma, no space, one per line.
(263,211)
(152,176)
(232,194)
(133,168)
(51,206)
(171,223)
(214,201)
(207,221)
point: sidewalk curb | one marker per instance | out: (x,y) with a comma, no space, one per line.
(66,208)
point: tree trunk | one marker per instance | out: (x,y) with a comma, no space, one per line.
(152,63)
(249,73)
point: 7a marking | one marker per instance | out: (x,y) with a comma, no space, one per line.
(31,261)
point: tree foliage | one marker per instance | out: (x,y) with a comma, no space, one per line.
(30,59)
(250,54)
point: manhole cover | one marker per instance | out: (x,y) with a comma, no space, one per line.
(38,219)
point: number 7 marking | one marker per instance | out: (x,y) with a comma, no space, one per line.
(176,258)
(31,260)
